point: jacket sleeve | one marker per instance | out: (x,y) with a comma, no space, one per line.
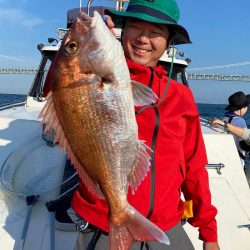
(196,185)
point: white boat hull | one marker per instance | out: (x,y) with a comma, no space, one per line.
(230,191)
(230,194)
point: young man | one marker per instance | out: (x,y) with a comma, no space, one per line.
(171,129)
(236,124)
(236,109)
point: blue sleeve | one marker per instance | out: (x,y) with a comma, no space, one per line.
(239,121)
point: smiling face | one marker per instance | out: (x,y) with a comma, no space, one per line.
(144,42)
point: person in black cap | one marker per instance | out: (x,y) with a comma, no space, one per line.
(171,128)
(241,133)
(237,102)
(236,109)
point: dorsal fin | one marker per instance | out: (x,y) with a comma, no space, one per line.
(51,121)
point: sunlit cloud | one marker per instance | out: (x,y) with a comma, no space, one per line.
(18,17)
(11,58)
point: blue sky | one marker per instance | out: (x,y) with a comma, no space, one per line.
(219,30)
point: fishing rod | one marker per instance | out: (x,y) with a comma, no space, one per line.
(207,123)
(205,120)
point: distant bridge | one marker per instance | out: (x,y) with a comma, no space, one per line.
(190,76)
(17,71)
(223,74)
(11,65)
(218,77)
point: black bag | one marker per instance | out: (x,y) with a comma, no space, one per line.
(244,146)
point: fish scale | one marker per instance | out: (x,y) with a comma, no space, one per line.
(91,109)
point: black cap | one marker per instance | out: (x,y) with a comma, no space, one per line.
(238,101)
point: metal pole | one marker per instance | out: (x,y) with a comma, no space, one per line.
(88,6)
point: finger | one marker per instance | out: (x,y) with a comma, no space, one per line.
(109,22)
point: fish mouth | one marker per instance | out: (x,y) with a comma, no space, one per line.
(84,17)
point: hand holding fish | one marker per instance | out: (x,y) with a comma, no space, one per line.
(109,22)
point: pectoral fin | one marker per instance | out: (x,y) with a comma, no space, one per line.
(142,166)
(142,94)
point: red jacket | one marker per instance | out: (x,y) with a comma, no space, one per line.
(173,131)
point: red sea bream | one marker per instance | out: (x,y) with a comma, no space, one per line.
(91,109)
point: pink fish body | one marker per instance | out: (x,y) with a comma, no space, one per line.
(91,109)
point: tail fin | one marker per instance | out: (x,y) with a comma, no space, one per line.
(135,228)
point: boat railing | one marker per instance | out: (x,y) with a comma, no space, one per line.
(12,106)
(217,167)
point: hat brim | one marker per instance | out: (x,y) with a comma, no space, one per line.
(180,34)
(248,99)
(231,108)
(234,108)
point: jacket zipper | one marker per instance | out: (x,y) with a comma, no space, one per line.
(153,146)
(152,176)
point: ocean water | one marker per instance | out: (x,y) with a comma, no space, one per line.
(207,111)
(6,99)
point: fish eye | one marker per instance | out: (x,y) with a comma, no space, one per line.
(71,47)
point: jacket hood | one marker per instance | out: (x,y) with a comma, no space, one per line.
(138,69)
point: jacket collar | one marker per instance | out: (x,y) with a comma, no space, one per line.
(138,69)
(230,114)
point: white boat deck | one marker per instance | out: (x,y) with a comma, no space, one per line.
(21,145)
(230,194)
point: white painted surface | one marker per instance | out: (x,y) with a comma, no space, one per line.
(230,194)
(35,167)
(19,126)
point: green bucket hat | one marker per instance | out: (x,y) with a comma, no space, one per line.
(155,11)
